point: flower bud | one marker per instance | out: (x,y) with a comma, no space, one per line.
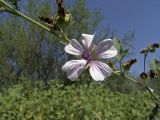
(155,45)
(129,63)
(133,61)
(47,20)
(67,17)
(144,50)
(126,66)
(143,75)
(59,2)
(152,74)
(151,49)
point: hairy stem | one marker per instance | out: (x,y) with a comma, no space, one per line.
(151,92)
(129,78)
(135,81)
(146,84)
(18,13)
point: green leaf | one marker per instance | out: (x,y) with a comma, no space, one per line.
(117,43)
(123,54)
(156,65)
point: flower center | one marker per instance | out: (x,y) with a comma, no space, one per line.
(87,55)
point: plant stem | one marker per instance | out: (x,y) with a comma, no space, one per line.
(151,92)
(129,78)
(146,84)
(145,57)
(96,115)
(18,13)
(135,81)
(149,81)
(23,16)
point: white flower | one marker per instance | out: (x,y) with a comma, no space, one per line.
(90,54)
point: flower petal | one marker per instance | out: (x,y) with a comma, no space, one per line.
(87,40)
(112,52)
(105,49)
(74,68)
(99,70)
(74,48)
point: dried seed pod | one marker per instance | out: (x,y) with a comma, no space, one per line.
(133,60)
(155,45)
(63,15)
(61,9)
(152,74)
(144,51)
(157,74)
(50,22)
(46,20)
(151,49)
(127,65)
(143,75)
(59,2)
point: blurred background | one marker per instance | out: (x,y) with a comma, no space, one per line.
(32,84)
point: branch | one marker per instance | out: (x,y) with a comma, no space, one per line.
(151,92)
(18,13)
(135,81)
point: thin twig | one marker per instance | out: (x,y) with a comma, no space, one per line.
(97,115)
(131,79)
(152,93)
(144,66)
(146,84)
(135,81)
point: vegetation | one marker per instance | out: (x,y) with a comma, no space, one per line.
(72,102)
(32,85)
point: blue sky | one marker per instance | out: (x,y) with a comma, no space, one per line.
(127,15)
(123,16)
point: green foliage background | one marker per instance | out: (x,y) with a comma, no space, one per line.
(72,102)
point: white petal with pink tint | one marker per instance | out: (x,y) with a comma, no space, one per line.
(87,40)
(74,68)
(74,48)
(112,52)
(99,70)
(105,49)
